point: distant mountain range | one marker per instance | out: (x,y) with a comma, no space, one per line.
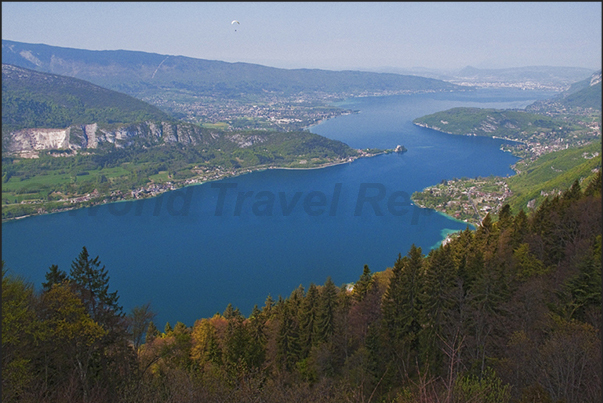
(545,76)
(585,94)
(582,94)
(542,74)
(143,74)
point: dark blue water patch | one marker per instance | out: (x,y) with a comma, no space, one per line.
(191,265)
(190,252)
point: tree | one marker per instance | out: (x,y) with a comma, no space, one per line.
(74,340)
(205,347)
(54,276)
(151,333)
(505,217)
(437,301)
(402,308)
(19,328)
(307,320)
(363,285)
(112,356)
(326,311)
(92,284)
(288,343)
(267,308)
(139,321)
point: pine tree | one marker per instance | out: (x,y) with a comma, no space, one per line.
(307,320)
(54,276)
(152,332)
(267,308)
(295,300)
(402,308)
(256,349)
(326,311)
(363,285)
(230,312)
(111,357)
(288,343)
(92,284)
(505,217)
(437,301)
(594,186)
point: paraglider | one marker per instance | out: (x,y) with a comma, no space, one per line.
(235,21)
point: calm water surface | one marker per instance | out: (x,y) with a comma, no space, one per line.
(190,252)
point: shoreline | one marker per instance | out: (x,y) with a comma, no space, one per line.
(184,184)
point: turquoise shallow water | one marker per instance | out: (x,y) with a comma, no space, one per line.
(192,251)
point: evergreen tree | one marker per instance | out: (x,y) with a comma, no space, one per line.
(485,232)
(326,311)
(54,276)
(505,217)
(111,357)
(256,349)
(572,194)
(363,285)
(92,284)
(295,300)
(437,301)
(307,320)
(267,309)
(581,294)
(519,229)
(402,308)
(152,332)
(231,313)
(288,342)
(236,346)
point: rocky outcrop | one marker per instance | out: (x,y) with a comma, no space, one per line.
(595,79)
(29,142)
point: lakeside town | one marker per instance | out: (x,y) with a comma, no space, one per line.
(468,200)
(204,175)
(269,111)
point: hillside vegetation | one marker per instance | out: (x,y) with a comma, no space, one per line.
(51,183)
(583,94)
(551,173)
(31,100)
(508,313)
(67,143)
(510,124)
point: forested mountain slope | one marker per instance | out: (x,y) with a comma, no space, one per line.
(32,99)
(506,313)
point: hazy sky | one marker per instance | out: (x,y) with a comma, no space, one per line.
(324,35)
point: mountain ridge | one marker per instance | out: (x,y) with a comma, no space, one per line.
(139,73)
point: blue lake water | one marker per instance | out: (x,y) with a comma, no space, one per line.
(192,251)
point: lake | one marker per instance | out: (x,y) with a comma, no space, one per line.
(192,251)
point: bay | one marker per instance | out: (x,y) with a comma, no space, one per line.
(192,251)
